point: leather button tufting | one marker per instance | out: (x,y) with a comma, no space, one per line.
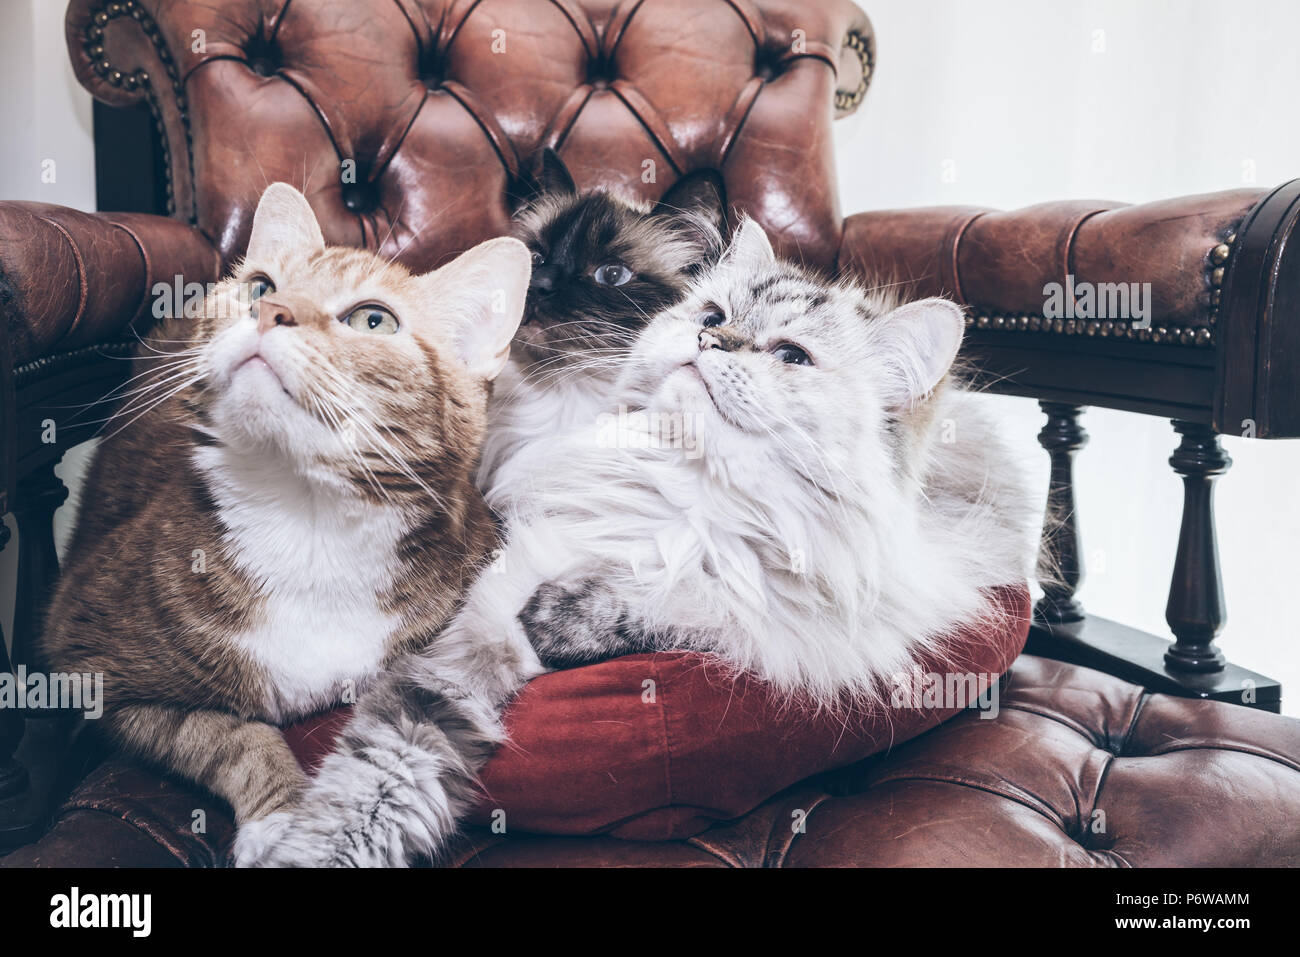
(359,197)
(768,64)
(263,57)
(601,72)
(430,72)
(452,100)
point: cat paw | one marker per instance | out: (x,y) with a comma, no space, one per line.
(309,837)
(256,839)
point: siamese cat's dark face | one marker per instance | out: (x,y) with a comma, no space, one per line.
(603,267)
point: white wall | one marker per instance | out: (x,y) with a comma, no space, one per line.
(1188,96)
(1025,102)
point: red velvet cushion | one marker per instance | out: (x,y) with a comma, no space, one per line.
(590,753)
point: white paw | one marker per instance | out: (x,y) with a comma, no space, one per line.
(319,835)
(256,839)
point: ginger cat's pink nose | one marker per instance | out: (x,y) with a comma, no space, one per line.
(270,314)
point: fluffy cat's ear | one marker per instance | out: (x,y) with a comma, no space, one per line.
(481,293)
(920,341)
(749,248)
(283,220)
(701,193)
(555,177)
(696,206)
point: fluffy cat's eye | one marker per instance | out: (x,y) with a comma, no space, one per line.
(612,274)
(374,319)
(258,287)
(538,258)
(791,354)
(711,317)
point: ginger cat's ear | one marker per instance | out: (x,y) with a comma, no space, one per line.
(480,297)
(283,221)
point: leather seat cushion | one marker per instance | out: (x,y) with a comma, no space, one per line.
(1079,769)
(660,747)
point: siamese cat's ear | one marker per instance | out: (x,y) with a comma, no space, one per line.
(283,221)
(918,341)
(480,297)
(701,193)
(749,247)
(697,205)
(555,178)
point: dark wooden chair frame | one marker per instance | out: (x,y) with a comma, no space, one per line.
(1249,377)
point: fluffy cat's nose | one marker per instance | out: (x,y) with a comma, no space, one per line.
(543,281)
(720,337)
(270,314)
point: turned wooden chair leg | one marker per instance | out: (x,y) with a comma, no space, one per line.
(39,496)
(1195,611)
(35,743)
(1060,561)
(13,776)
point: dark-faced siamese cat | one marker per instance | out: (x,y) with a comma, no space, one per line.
(603,266)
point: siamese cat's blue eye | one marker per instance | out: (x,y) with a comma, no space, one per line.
(259,286)
(374,319)
(791,354)
(612,274)
(712,317)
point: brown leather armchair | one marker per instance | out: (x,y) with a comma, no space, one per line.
(409,124)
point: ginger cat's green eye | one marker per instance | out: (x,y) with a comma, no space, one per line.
(259,286)
(374,319)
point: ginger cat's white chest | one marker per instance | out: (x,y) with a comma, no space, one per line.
(322,569)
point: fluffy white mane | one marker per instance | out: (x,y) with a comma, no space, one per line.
(817,524)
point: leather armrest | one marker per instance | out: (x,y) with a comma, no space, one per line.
(73,278)
(1214,341)
(998,263)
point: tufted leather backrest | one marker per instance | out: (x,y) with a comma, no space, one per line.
(409,122)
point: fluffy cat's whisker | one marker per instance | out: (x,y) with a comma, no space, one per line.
(141,403)
(550,344)
(555,370)
(160,375)
(392,224)
(390,450)
(586,363)
(433,218)
(189,340)
(355,457)
(168,371)
(248,149)
(832,499)
(168,352)
(115,393)
(588,322)
(152,405)
(821,458)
